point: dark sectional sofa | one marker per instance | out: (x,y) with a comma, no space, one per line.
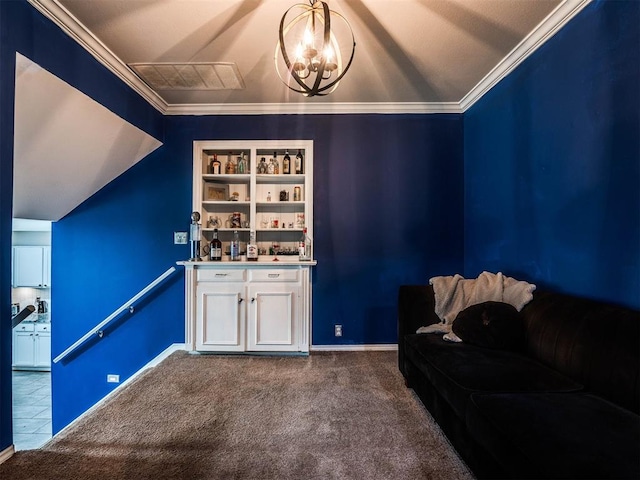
(564,405)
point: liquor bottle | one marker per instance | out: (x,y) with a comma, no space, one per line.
(252,247)
(286,163)
(276,165)
(216,166)
(241,165)
(194,237)
(235,247)
(299,164)
(230,167)
(262,168)
(215,248)
(271,168)
(304,247)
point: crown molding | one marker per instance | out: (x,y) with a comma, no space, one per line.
(76,30)
(564,12)
(312,108)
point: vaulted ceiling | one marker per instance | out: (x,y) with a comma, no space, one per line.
(411,55)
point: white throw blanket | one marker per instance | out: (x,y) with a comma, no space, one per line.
(455,293)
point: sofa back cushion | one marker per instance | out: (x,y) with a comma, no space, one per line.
(595,343)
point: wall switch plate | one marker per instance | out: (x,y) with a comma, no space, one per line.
(179,238)
(338,330)
(111,378)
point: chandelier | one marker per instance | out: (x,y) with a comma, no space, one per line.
(310,47)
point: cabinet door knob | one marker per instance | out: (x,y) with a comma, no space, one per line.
(253,300)
(240,300)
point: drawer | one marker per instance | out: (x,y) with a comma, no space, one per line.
(275,275)
(24,327)
(218,275)
(43,327)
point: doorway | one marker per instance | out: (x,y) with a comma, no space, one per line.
(31,338)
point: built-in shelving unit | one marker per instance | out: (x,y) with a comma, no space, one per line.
(277,206)
(243,306)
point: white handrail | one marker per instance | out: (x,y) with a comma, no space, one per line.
(128,305)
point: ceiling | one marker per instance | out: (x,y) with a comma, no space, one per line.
(66,145)
(411,55)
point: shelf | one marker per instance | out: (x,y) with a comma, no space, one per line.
(227,229)
(223,202)
(234,178)
(279,203)
(281,178)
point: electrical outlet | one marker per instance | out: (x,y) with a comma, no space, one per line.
(338,330)
(112,378)
(179,238)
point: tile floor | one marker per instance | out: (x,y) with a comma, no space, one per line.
(31,409)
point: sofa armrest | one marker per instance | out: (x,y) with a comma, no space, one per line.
(416,305)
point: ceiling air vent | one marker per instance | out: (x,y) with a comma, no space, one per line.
(190,76)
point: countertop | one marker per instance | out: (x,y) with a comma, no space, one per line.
(37,318)
(263,261)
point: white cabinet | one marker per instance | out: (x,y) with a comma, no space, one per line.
(221,320)
(248,307)
(275,299)
(265,305)
(32,346)
(31,266)
(23,345)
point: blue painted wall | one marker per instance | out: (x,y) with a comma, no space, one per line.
(105,252)
(24,30)
(368,240)
(387,206)
(552,162)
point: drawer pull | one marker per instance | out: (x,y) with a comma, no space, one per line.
(273,275)
(221,274)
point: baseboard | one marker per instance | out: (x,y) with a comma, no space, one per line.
(153,363)
(355,348)
(7,453)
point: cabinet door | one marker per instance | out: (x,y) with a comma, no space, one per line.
(28,266)
(23,348)
(219,317)
(42,346)
(46,266)
(273,317)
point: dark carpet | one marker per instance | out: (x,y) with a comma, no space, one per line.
(327,416)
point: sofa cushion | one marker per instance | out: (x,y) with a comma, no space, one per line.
(490,325)
(557,435)
(457,370)
(593,342)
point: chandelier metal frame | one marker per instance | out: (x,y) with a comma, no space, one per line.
(311,60)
